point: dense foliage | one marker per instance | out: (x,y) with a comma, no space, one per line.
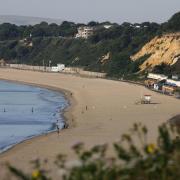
(132,159)
(173,25)
(44,42)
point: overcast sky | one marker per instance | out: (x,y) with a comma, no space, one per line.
(98,10)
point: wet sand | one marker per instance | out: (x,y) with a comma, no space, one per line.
(101,110)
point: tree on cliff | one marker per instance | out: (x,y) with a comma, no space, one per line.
(173,24)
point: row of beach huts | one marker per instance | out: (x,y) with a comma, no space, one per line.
(163,84)
(156,82)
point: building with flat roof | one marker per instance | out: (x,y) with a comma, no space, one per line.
(156,76)
(85,32)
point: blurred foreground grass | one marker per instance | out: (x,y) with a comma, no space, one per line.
(145,161)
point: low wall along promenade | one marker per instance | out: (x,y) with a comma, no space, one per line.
(68,70)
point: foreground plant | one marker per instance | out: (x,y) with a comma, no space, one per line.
(135,158)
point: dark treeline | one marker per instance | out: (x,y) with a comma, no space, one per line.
(53,42)
(11,31)
(66,29)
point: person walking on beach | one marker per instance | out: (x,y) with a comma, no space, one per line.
(58,130)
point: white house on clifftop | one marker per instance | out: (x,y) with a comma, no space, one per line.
(85,32)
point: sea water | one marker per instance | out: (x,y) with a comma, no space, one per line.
(28,111)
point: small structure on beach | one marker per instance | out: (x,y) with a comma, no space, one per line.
(157,76)
(146,99)
(169,89)
(155,81)
(150,83)
(154,84)
(176,77)
(2,63)
(58,68)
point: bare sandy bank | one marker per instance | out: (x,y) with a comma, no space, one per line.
(111,111)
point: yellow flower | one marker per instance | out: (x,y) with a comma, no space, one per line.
(151,148)
(36,174)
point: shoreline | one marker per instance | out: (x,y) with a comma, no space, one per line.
(66,113)
(111,112)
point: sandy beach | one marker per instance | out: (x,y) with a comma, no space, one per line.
(101,110)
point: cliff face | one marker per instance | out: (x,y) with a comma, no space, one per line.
(165,49)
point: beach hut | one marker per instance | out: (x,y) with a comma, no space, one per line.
(150,83)
(169,89)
